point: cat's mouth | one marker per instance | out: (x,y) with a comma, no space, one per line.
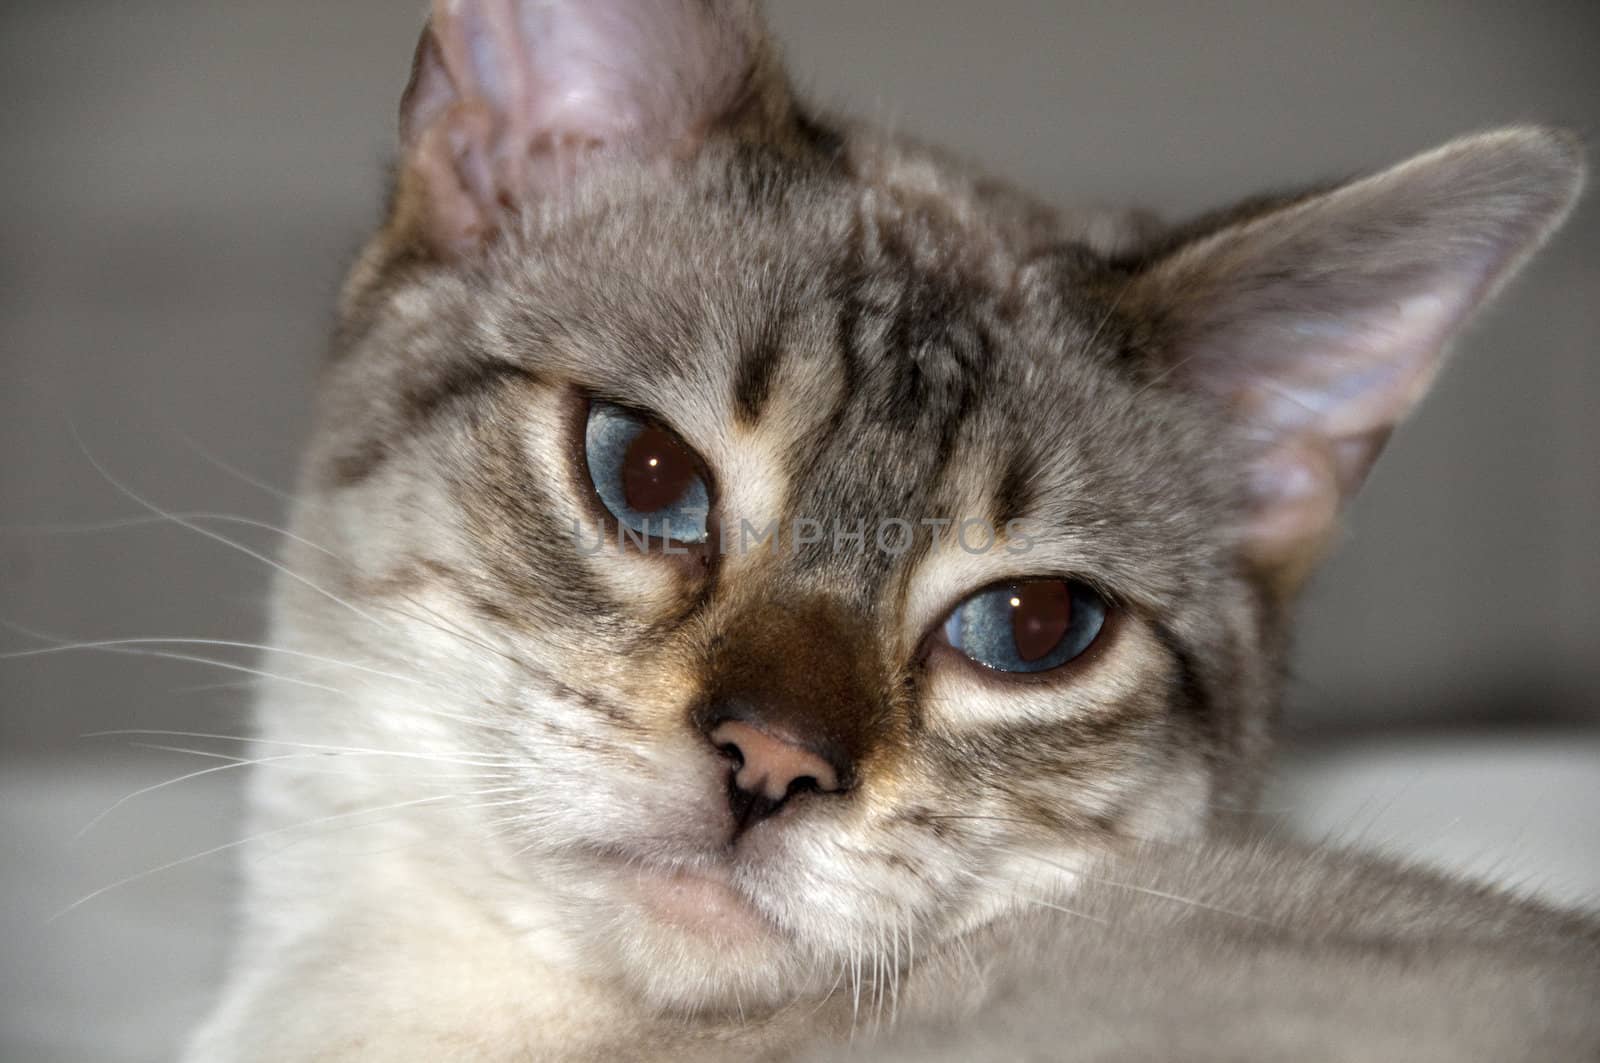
(705,933)
(697,901)
(702,899)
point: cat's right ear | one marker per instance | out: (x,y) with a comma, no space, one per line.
(510,99)
(1317,322)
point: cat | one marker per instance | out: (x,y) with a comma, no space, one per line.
(755,577)
(1256,949)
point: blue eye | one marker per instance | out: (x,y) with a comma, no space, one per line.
(1027,627)
(649,480)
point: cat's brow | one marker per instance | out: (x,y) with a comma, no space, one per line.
(1016,493)
(457,381)
(758,365)
(419,404)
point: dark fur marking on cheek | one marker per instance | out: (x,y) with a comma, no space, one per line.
(412,577)
(1038,812)
(614,714)
(906,866)
(405,579)
(1012,758)
(357,465)
(942,827)
(492,611)
(1108,823)
(511,515)
(1192,692)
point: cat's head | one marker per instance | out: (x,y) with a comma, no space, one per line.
(826,545)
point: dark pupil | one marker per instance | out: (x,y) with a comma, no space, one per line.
(656,471)
(1041,614)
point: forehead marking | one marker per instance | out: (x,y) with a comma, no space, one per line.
(758,365)
(914,356)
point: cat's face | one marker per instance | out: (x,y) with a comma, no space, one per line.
(812,369)
(945,570)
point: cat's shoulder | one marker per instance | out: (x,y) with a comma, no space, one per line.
(1257,947)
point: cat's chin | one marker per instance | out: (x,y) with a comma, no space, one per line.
(690,941)
(702,903)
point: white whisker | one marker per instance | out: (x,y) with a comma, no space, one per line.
(1042,903)
(894,984)
(211,662)
(215,537)
(232,470)
(100,644)
(136,648)
(455,776)
(482,760)
(86,898)
(235,762)
(120,523)
(1148,891)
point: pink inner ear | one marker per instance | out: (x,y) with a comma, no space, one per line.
(603,70)
(1322,322)
(429,93)
(1322,402)
(1294,490)
(559,79)
(1347,385)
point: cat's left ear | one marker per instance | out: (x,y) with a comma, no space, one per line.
(1319,322)
(510,99)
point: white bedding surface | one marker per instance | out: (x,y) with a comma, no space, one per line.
(119,977)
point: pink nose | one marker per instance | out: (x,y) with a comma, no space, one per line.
(770,764)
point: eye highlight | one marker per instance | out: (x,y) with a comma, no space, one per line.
(645,475)
(1030,626)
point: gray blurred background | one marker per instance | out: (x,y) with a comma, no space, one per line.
(181,185)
